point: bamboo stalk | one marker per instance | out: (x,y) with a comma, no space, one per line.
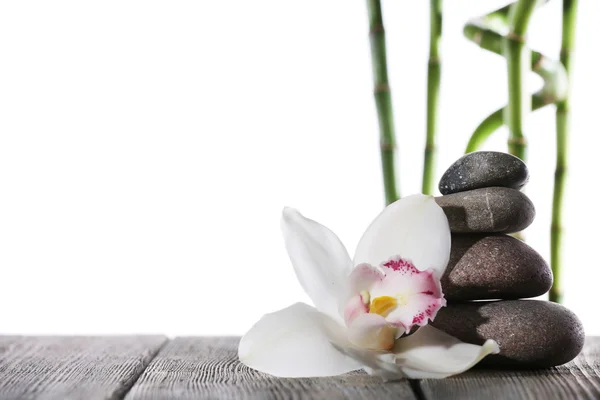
(433,90)
(518,60)
(485,32)
(562,134)
(495,120)
(383,99)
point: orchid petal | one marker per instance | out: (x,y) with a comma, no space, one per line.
(408,281)
(355,307)
(371,331)
(295,342)
(320,260)
(431,353)
(419,310)
(417,294)
(363,277)
(376,363)
(415,228)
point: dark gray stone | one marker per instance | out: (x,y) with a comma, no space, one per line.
(494,266)
(484,169)
(493,210)
(530,333)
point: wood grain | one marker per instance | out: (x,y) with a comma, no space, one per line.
(73,367)
(208,368)
(579,379)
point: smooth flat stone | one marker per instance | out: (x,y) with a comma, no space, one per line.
(494,209)
(494,266)
(530,333)
(484,169)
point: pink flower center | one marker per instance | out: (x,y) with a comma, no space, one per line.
(401,294)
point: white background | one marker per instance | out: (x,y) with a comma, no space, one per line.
(147,148)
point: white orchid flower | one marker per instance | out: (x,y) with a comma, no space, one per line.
(363,314)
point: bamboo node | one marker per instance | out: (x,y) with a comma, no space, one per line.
(515,37)
(376,28)
(565,51)
(477,37)
(560,170)
(387,146)
(434,61)
(517,141)
(548,99)
(556,227)
(381,88)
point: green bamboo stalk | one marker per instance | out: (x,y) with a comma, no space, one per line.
(485,129)
(562,134)
(495,121)
(518,60)
(485,32)
(554,90)
(383,99)
(433,91)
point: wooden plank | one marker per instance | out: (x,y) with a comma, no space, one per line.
(579,379)
(208,368)
(73,367)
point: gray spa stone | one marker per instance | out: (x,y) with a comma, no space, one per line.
(493,209)
(484,169)
(530,333)
(494,266)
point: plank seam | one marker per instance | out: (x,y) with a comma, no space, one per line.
(415,385)
(128,386)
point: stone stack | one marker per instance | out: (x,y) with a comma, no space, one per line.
(482,201)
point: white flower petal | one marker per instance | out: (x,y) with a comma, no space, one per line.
(363,277)
(296,342)
(418,310)
(355,307)
(414,228)
(431,353)
(376,363)
(320,260)
(371,331)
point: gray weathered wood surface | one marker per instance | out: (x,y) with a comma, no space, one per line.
(73,367)
(208,368)
(150,367)
(579,379)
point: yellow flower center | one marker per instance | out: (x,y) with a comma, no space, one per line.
(383,305)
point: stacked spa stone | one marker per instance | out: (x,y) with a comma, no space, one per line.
(482,201)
